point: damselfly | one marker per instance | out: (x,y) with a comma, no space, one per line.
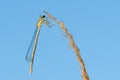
(32,48)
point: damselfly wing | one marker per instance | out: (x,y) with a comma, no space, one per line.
(32,48)
(29,51)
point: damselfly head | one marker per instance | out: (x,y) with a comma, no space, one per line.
(43,16)
(47,21)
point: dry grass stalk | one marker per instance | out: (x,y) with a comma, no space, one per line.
(72,44)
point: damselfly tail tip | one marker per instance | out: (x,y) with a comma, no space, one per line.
(30,71)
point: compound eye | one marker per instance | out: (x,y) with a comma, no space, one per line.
(43,16)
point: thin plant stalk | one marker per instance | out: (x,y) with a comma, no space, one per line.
(72,44)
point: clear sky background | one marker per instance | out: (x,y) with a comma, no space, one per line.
(94,24)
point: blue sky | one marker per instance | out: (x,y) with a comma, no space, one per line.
(94,24)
